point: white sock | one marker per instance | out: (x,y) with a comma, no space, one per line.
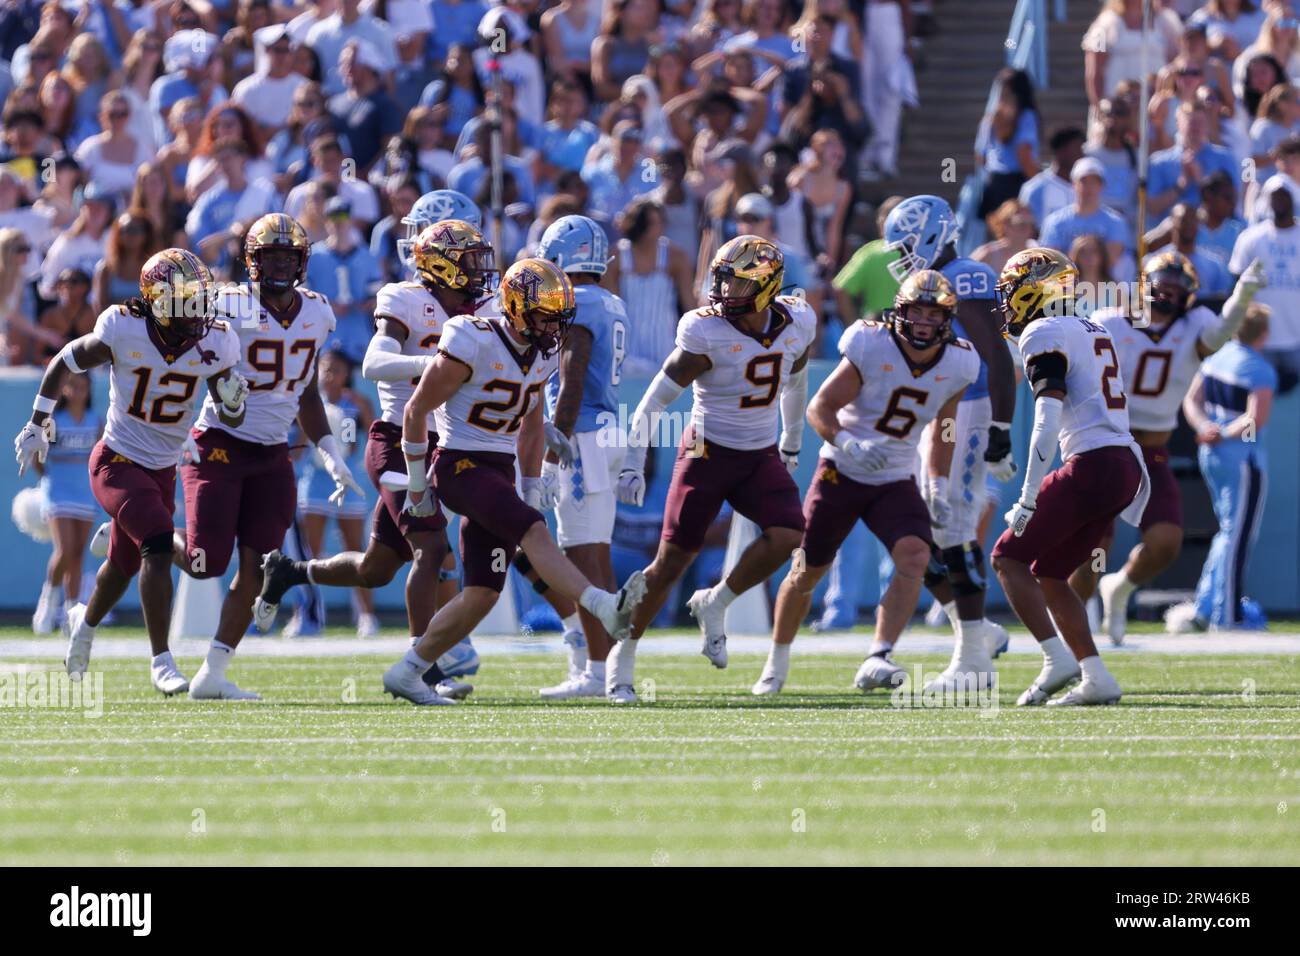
(596,670)
(971,639)
(621,663)
(778,659)
(1094,669)
(722,594)
(1055,651)
(162,659)
(880,647)
(572,622)
(47,592)
(1124,586)
(590,599)
(951,610)
(219,656)
(414,661)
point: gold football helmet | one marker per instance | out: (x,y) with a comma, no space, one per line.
(279,233)
(927,287)
(1035,283)
(453,255)
(1170,282)
(538,300)
(745,276)
(179,293)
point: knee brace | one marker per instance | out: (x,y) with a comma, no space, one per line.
(525,567)
(935,571)
(158,544)
(965,565)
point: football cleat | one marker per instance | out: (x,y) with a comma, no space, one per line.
(403,681)
(575,645)
(710,615)
(461,661)
(614,611)
(453,689)
(1114,611)
(367,626)
(878,671)
(967,674)
(584,685)
(279,574)
(1053,677)
(80,636)
(46,617)
(167,678)
(209,686)
(999,639)
(1183,619)
(621,694)
(99,543)
(1090,693)
(768,685)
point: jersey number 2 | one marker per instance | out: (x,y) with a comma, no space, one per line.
(1110,375)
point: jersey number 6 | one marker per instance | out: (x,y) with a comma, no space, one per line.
(897,421)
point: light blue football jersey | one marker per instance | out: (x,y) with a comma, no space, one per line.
(603,314)
(971,280)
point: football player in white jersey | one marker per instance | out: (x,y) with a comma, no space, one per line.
(486,386)
(924,231)
(1158,363)
(894,378)
(240,484)
(160,347)
(454,272)
(745,358)
(1062,515)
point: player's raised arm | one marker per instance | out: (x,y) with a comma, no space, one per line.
(679,371)
(1234,311)
(794,405)
(78,356)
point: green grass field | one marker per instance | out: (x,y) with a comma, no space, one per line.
(1198,765)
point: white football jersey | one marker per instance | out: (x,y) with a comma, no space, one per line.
(503,387)
(898,398)
(1095,412)
(278,361)
(412,306)
(152,390)
(736,399)
(1157,364)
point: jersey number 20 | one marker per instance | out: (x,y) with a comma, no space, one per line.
(514,392)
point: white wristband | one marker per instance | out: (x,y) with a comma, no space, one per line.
(43,404)
(415,449)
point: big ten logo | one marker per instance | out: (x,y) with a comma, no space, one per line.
(948,170)
(198,821)
(498,816)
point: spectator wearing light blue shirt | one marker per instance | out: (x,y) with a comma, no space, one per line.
(617,179)
(1220,225)
(1086,215)
(455,22)
(186,56)
(1009,136)
(1050,189)
(1175,173)
(347,273)
(1116,154)
(329,36)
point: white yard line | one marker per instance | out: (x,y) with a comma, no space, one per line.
(851,644)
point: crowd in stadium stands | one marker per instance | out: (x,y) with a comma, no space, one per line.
(1223,115)
(130,125)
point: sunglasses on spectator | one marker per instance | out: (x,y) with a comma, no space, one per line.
(119,114)
(1191,71)
(22,249)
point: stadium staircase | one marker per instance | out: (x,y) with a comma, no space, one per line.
(955,72)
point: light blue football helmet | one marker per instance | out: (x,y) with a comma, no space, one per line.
(920,228)
(435,207)
(576,244)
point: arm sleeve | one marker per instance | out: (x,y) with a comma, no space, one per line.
(384,361)
(794,403)
(1217,331)
(1042,446)
(663,391)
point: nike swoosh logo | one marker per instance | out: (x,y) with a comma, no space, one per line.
(1040,455)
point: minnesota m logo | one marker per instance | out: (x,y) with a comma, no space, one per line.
(219,454)
(463,465)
